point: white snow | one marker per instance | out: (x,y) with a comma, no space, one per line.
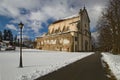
(75,15)
(53,42)
(113,62)
(36,63)
(66,41)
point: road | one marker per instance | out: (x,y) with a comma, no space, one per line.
(89,68)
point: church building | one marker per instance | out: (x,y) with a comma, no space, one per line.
(70,34)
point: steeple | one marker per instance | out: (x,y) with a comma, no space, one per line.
(80,12)
(84,7)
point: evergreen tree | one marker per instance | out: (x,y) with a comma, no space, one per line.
(5,34)
(10,35)
(1,36)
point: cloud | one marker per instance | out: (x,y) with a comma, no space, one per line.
(11,26)
(34,12)
(23,37)
(95,35)
(94,14)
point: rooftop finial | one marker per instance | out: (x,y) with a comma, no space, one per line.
(84,6)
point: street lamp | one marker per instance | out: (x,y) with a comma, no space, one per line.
(20,26)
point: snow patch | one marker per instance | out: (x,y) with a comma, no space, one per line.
(114,63)
(75,15)
(36,63)
(66,41)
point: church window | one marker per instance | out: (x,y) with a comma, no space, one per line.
(86,32)
(86,45)
(56,31)
(38,44)
(67,49)
(67,28)
(76,38)
(59,29)
(63,28)
(52,31)
(76,47)
(42,43)
(86,27)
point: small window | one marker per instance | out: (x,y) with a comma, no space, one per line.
(56,31)
(86,45)
(86,32)
(63,28)
(85,26)
(67,28)
(59,29)
(76,38)
(52,31)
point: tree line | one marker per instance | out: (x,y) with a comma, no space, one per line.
(109,28)
(6,35)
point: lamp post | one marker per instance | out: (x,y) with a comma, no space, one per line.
(20,26)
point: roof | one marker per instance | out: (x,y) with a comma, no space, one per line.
(69,17)
(66,18)
(55,34)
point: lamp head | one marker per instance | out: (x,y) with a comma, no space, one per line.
(20,25)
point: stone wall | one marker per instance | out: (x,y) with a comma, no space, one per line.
(60,42)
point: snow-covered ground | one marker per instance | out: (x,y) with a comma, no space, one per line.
(36,63)
(113,62)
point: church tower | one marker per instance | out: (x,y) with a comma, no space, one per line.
(84,33)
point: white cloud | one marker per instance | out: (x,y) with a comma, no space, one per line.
(95,13)
(95,35)
(40,11)
(23,37)
(10,26)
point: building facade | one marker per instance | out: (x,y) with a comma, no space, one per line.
(70,34)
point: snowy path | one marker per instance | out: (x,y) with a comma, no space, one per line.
(36,63)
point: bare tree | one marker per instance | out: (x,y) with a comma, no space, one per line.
(109,27)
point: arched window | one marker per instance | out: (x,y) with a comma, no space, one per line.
(59,29)
(56,30)
(52,31)
(86,32)
(67,28)
(86,45)
(63,29)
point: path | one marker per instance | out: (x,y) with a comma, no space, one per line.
(89,68)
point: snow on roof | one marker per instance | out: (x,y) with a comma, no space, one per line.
(6,41)
(75,15)
(44,34)
(69,17)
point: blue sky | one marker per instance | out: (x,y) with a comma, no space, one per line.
(38,14)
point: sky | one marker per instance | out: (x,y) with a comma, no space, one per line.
(36,15)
